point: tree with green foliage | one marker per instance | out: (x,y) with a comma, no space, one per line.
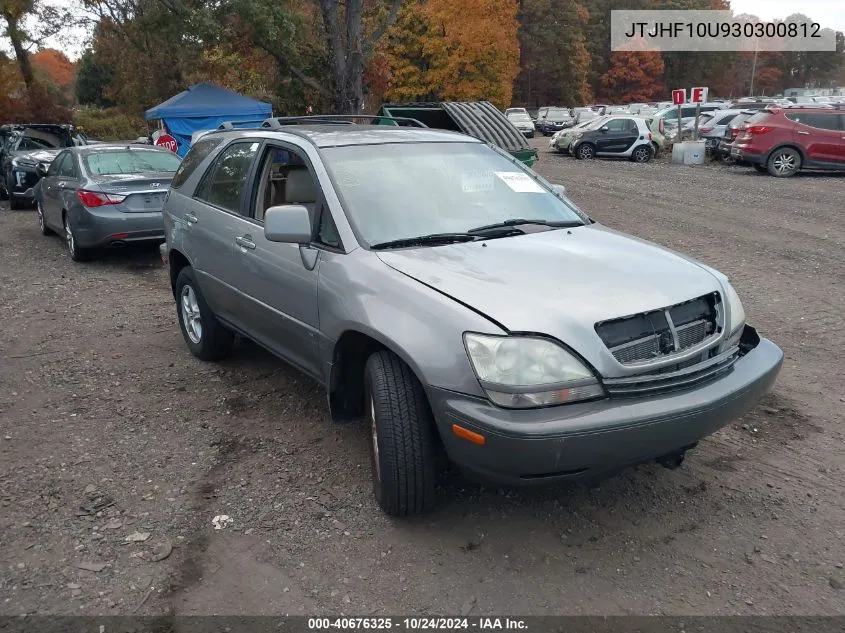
(554,56)
(91,81)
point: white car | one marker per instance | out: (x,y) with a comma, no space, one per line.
(522,122)
(621,136)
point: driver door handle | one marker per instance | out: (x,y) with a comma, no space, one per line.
(191,218)
(245,241)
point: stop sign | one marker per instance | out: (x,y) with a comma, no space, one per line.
(168,142)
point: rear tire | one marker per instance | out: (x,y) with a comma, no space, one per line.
(204,335)
(42,225)
(642,154)
(784,162)
(76,253)
(402,440)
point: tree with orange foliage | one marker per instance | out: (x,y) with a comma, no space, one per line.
(634,75)
(459,51)
(56,66)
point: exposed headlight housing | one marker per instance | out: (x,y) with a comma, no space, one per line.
(521,372)
(735,318)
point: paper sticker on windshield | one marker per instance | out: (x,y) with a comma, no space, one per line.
(476,181)
(520,182)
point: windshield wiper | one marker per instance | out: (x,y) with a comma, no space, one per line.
(558,224)
(427,240)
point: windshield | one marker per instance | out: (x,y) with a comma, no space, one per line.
(130,162)
(558,113)
(398,191)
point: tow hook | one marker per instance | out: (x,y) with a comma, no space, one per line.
(674,460)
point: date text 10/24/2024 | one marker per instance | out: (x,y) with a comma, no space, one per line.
(418,624)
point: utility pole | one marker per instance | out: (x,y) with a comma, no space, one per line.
(754,67)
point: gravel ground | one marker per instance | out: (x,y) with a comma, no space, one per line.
(117,448)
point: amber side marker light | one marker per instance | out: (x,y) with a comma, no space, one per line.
(466,434)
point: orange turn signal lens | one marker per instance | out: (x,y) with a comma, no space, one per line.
(466,434)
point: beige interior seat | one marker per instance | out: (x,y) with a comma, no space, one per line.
(300,189)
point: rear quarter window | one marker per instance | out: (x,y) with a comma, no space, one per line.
(196,155)
(815,119)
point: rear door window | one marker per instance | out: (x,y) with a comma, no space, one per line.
(196,155)
(68,167)
(816,119)
(224,184)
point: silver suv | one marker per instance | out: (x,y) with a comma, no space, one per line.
(457,302)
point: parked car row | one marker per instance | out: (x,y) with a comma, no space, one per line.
(780,141)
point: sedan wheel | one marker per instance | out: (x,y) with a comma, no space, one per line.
(41,224)
(76,253)
(784,162)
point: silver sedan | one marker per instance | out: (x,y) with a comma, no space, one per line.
(105,196)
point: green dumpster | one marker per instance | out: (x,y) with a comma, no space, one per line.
(480,119)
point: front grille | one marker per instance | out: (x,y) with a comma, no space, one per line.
(687,375)
(661,334)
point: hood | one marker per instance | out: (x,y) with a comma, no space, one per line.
(45,156)
(559,283)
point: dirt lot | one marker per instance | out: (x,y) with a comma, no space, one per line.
(110,429)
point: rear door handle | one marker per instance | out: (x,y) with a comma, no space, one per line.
(245,241)
(804,133)
(190,217)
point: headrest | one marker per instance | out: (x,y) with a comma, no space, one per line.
(299,187)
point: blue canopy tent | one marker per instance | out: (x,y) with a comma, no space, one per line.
(204,107)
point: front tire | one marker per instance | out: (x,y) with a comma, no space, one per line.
(585,151)
(205,336)
(784,162)
(402,441)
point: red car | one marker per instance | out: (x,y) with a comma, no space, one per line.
(784,141)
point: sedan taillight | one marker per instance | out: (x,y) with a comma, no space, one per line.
(93,199)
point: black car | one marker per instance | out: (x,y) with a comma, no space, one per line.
(732,130)
(552,120)
(26,155)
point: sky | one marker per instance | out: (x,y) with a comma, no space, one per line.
(828,13)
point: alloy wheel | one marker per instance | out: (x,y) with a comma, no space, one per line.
(585,152)
(641,154)
(784,163)
(191,318)
(70,239)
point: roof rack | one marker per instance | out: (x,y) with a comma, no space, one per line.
(230,125)
(342,119)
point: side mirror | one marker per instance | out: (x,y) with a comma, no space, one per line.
(41,170)
(604,128)
(560,190)
(289,224)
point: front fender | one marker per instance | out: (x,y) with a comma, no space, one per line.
(358,292)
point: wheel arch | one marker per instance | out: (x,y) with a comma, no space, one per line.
(790,145)
(345,384)
(176,262)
